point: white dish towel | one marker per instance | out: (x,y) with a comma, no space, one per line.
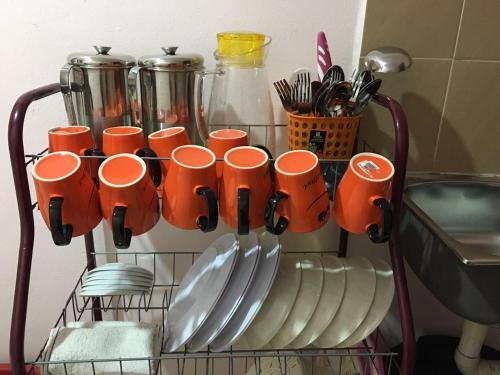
(85,341)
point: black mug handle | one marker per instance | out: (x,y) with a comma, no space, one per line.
(61,233)
(265,149)
(121,235)
(271,206)
(95,152)
(154,164)
(387,218)
(243,211)
(208,223)
(271,161)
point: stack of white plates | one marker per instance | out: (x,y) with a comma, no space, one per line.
(222,292)
(117,279)
(323,300)
(241,293)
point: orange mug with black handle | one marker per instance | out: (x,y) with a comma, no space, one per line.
(301,199)
(130,139)
(67,197)
(164,141)
(128,197)
(77,139)
(222,140)
(361,203)
(245,188)
(190,189)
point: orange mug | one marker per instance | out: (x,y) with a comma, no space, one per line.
(190,189)
(361,203)
(245,188)
(164,141)
(67,196)
(78,140)
(222,140)
(301,199)
(128,197)
(130,140)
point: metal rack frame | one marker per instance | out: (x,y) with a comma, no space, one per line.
(26,207)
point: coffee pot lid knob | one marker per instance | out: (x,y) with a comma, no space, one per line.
(169,50)
(102,50)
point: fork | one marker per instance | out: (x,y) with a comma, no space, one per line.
(285,94)
(301,94)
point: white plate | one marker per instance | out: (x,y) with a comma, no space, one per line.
(277,306)
(329,302)
(120,283)
(120,267)
(200,290)
(381,303)
(358,297)
(112,292)
(236,289)
(112,275)
(259,288)
(305,304)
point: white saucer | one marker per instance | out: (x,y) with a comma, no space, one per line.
(358,297)
(200,290)
(237,288)
(277,306)
(329,302)
(112,291)
(309,293)
(119,282)
(120,267)
(112,275)
(381,303)
(267,268)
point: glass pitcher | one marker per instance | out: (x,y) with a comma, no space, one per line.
(240,96)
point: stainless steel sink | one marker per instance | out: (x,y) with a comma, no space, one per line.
(450,229)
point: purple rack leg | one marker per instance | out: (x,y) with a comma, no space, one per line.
(24,203)
(400,159)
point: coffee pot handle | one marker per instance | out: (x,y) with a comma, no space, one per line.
(135,99)
(65,81)
(199,102)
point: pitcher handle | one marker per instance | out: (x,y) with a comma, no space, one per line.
(199,102)
(65,81)
(135,97)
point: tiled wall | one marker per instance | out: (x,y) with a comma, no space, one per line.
(451,94)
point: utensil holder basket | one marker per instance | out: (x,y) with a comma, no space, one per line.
(327,137)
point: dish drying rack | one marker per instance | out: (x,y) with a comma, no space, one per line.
(358,360)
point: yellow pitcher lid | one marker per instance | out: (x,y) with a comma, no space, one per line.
(241,47)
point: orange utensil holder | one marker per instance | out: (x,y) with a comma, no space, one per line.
(327,137)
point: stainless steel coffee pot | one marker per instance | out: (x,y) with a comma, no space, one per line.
(161,88)
(94,88)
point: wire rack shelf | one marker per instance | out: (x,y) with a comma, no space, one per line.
(168,269)
(372,357)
